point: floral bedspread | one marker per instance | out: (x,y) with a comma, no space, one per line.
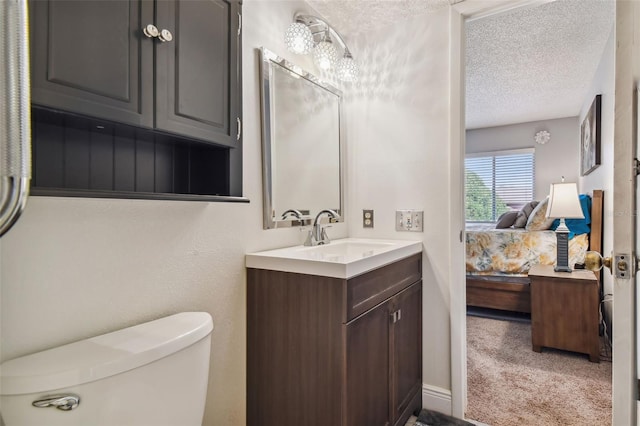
(514,251)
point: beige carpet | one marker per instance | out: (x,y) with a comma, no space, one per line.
(509,384)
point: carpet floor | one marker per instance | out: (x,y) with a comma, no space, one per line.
(509,384)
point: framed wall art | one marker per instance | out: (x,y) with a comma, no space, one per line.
(590,138)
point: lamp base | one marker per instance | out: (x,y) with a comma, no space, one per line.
(562,249)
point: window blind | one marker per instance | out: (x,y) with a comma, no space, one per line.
(498,182)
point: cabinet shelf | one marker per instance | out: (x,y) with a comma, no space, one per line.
(75,155)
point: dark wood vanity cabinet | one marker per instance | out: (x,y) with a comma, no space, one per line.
(174,104)
(328,351)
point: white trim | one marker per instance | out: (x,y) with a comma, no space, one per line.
(436,398)
(457,288)
(472,10)
(505,8)
(501,153)
(459,14)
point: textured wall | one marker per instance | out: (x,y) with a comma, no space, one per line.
(602,177)
(74,268)
(399,157)
(558,157)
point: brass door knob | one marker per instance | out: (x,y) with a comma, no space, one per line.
(594,261)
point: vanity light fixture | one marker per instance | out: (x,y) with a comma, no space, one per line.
(309,33)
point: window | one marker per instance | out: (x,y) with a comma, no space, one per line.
(497,182)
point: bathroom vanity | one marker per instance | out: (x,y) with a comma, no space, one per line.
(334,334)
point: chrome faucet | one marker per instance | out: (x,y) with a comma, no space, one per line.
(293,212)
(318,235)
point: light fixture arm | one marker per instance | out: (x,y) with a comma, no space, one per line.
(312,21)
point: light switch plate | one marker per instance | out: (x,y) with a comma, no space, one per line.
(409,220)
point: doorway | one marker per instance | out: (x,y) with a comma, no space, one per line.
(466,13)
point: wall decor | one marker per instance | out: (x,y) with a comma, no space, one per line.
(590,138)
(542,137)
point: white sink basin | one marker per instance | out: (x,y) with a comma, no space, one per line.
(343,258)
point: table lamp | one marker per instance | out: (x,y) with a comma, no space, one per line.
(563,204)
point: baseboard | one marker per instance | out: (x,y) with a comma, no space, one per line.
(436,398)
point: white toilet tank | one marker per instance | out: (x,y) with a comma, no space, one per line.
(150,374)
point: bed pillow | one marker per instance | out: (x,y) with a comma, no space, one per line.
(507,219)
(578,226)
(538,220)
(524,213)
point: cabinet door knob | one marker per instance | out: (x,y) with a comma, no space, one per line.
(150,31)
(165,35)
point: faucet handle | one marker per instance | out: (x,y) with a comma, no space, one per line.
(324,237)
(309,240)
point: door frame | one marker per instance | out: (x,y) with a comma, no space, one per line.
(625,377)
(624,392)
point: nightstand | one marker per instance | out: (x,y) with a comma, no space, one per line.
(565,310)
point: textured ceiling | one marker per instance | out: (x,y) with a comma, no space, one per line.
(530,64)
(352,17)
(534,63)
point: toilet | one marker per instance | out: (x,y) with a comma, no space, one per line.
(153,374)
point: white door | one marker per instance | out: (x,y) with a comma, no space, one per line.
(625,380)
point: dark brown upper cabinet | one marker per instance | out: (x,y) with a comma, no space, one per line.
(94,58)
(88,57)
(194,72)
(168,67)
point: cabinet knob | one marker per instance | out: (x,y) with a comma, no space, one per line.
(165,35)
(151,31)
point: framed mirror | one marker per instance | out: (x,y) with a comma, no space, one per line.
(302,145)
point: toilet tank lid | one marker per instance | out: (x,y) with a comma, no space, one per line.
(103,356)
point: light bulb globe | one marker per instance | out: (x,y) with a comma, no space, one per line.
(347,69)
(325,55)
(298,38)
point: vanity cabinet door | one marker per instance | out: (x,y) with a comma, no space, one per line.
(368,369)
(198,71)
(406,351)
(90,57)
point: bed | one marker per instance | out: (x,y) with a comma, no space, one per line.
(498,260)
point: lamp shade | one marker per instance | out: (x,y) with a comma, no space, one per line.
(564,201)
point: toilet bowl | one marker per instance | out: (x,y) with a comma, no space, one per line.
(154,373)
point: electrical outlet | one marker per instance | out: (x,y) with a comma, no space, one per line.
(367,218)
(409,220)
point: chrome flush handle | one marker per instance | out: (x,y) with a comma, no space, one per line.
(61,402)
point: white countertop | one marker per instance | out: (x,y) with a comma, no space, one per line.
(344,258)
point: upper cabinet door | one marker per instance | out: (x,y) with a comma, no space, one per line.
(197,69)
(90,57)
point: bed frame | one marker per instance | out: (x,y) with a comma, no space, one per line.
(512,293)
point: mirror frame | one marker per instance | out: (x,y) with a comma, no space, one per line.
(267,59)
